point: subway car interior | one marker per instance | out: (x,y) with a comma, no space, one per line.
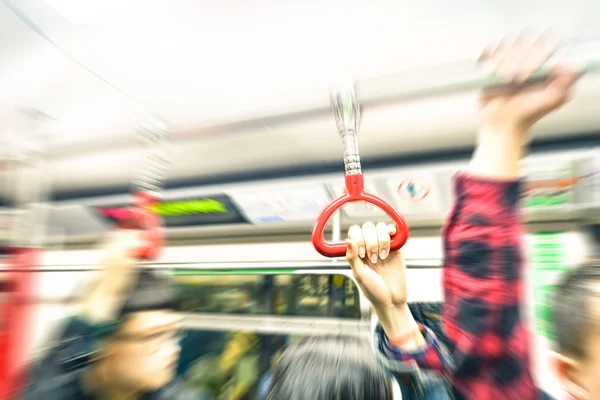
(222,114)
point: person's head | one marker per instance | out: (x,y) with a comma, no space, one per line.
(330,368)
(576,311)
(142,354)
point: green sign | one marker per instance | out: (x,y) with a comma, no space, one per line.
(549,263)
(549,185)
(210,210)
(186,207)
(547,200)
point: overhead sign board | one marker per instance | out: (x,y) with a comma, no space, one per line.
(549,184)
(586,183)
(190,211)
(287,203)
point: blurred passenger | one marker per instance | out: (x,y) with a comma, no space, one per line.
(576,308)
(489,353)
(330,368)
(124,342)
(278,343)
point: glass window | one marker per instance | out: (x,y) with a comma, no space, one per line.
(228,294)
(316,296)
(230,365)
(265,294)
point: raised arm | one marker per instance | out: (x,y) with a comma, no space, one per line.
(483,261)
(408,350)
(64,372)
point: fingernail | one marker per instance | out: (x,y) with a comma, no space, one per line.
(383,254)
(361,252)
(374,258)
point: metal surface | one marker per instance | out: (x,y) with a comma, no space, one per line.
(307,267)
(582,55)
(152,173)
(277,325)
(346,110)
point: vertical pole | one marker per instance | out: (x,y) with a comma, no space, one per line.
(24,251)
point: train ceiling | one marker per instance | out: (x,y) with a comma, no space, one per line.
(243,85)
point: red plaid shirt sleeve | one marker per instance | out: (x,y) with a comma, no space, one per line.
(484,292)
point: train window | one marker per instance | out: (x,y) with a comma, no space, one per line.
(306,295)
(316,296)
(229,365)
(228,294)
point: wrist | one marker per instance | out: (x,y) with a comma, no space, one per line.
(396,320)
(111,289)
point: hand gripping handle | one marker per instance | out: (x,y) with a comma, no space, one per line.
(151,225)
(355,192)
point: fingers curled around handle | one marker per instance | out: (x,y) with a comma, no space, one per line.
(354,259)
(384,239)
(371,241)
(355,234)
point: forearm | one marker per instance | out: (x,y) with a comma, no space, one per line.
(499,152)
(100,304)
(102,299)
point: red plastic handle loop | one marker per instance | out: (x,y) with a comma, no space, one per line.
(355,192)
(142,218)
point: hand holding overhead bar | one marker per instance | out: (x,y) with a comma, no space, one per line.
(582,56)
(346,110)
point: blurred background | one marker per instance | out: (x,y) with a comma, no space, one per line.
(253,154)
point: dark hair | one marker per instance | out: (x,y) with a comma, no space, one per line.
(571,308)
(330,368)
(150,292)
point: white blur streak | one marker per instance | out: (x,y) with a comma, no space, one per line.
(93,11)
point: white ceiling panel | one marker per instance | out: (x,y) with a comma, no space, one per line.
(200,62)
(106,64)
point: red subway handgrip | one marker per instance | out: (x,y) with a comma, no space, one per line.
(355,192)
(151,225)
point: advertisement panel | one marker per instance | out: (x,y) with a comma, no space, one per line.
(286,203)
